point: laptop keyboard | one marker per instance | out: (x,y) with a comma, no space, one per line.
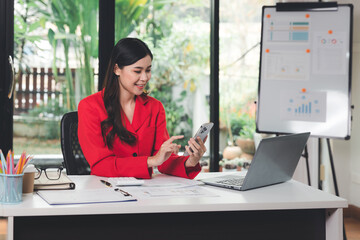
(233,181)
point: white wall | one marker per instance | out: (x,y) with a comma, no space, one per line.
(347,153)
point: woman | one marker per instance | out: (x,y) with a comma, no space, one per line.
(122,131)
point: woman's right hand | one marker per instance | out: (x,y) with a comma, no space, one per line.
(165,151)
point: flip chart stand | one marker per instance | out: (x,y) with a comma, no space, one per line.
(314,7)
(306,156)
(334,177)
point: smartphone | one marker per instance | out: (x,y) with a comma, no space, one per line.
(202,133)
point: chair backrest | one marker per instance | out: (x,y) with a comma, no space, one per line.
(74,160)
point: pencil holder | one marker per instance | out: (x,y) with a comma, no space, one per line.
(11,188)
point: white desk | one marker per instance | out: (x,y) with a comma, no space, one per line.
(288,208)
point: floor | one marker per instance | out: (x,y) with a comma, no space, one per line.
(352,228)
(2,229)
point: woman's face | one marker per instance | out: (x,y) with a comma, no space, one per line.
(133,78)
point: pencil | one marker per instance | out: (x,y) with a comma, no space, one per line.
(28,160)
(17,168)
(8,162)
(21,163)
(3,162)
(12,161)
(23,158)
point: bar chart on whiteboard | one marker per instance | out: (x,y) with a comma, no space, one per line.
(304,106)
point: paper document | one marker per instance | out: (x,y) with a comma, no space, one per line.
(169,186)
(150,192)
(125,181)
(195,191)
(54,197)
(170,181)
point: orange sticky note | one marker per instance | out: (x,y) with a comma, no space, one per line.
(303,90)
(267,50)
(268,16)
(330,31)
(307,15)
(308,50)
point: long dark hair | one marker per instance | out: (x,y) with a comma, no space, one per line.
(126,52)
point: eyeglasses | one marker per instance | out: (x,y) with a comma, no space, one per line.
(50,173)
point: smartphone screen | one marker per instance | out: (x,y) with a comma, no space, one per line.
(202,132)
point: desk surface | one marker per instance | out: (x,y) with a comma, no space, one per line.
(288,195)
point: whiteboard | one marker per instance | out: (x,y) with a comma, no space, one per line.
(305,72)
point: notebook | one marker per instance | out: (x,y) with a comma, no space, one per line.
(43,183)
(274,162)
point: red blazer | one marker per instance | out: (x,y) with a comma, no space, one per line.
(149,127)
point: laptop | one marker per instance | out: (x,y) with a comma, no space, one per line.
(274,162)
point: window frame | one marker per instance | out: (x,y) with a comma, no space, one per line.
(106,43)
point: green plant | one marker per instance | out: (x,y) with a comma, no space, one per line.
(53,108)
(248,127)
(27,23)
(233,162)
(239,120)
(128,17)
(177,121)
(177,57)
(75,26)
(52,129)
(51,113)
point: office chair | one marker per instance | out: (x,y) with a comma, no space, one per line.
(74,160)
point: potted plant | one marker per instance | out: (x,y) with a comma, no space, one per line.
(231,165)
(245,139)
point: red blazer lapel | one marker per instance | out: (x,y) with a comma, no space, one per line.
(142,112)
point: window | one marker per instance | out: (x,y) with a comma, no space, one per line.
(178,34)
(239,33)
(55,55)
(56,60)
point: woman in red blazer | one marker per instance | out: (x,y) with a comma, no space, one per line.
(122,131)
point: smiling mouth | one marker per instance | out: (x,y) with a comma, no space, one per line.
(140,85)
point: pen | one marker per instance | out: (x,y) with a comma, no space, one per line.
(106,183)
(126,194)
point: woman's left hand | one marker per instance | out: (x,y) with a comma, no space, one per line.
(196,152)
